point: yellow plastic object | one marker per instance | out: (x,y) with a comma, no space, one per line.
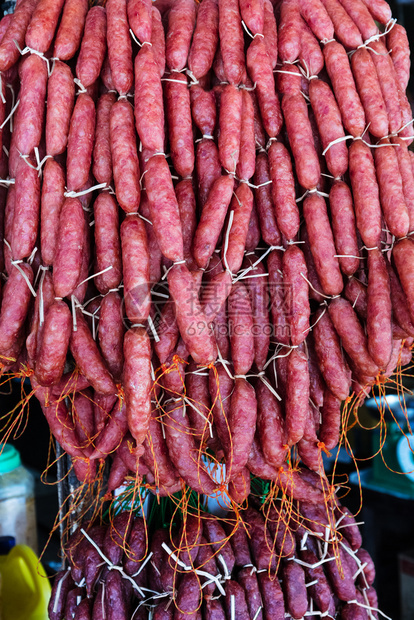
(25,588)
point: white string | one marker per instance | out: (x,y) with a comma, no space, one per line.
(113,566)
(16,263)
(192,569)
(14,108)
(337,141)
(81,87)
(72,194)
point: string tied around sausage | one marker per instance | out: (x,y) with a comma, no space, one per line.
(249,32)
(376,37)
(7,182)
(113,566)
(81,87)
(337,141)
(31,50)
(132,33)
(40,163)
(308,192)
(270,142)
(2,97)
(9,117)
(17,263)
(73,194)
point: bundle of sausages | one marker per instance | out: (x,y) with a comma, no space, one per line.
(261,570)
(154,211)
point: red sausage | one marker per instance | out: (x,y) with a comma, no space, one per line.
(379,328)
(278,298)
(360,15)
(93,47)
(241,207)
(124,156)
(403,254)
(311,56)
(290,28)
(241,329)
(295,589)
(111,333)
(60,102)
(391,190)
(232,41)
(246,165)
(343,86)
(388,83)
(397,43)
(345,29)
(331,361)
(212,219)
(191,320)
(208,168)
(328,119)
(181,22)
(14,308)
(366,193)
(231,109)
(283,190)
(119,45)
(322,244)
(243,414)
(297,395)
(369,90)
(331,420)
(26,211)
(205,39)
(102,159)
(270,426)
(187,206)
(258,288)
(344,227)
(69,248)
(149,107)
(270,32)
(199,396)
(163,206)
(380,10)
(301,140)
(158,40)
(69,35)
(352,335)
(80,142)
(15,33)
(261,72)
(88,358)
(264,203)
(140,19)
(318,20)
(135,264)
(54,344)
(107,242)
(41,30)
(203,109)
(252,13)
(180,124)
(137,383)
(30,113)
(407,177)
(294,274)
(182,450)
(400,308)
